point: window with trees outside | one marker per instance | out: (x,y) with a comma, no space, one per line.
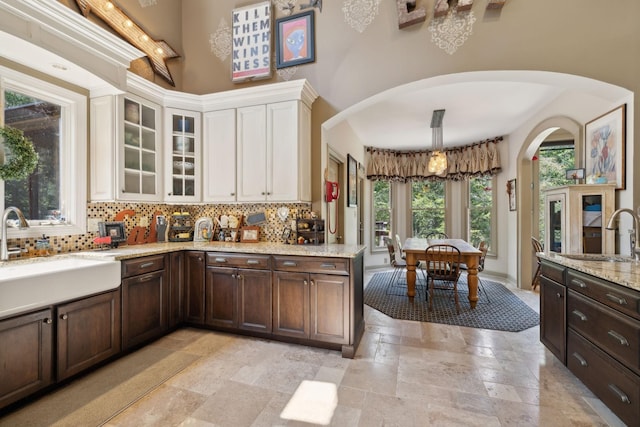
(428,207)
(53,197)
(382,199)
(481,210)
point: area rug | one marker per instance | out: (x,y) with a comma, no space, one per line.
(498,308)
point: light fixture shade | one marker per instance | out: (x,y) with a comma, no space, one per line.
(438,163)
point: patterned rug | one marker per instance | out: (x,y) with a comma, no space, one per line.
(498,308)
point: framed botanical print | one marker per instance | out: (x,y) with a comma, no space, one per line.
(605,145)
(352,181)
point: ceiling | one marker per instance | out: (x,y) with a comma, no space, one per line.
(479,106)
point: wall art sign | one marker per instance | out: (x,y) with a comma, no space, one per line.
(352,181)
(251,38)
(295,40)
(605,141)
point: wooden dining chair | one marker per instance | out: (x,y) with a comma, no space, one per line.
(443,270)
(397,266)
(537,247)
(437,235)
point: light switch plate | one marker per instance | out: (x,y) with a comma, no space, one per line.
(92,225)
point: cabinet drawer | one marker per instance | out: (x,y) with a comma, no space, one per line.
(552,271)
(142,265)
(615,296)
(312,264)
(615,385)
(615,333)
(221,259)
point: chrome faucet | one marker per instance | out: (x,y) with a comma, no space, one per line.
(634,238)
(4,251)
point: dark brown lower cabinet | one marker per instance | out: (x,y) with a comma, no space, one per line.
(26,355)
(194,276)
(176,288)
(88,332)
(145,300)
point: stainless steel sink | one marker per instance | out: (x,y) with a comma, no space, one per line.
(597,257)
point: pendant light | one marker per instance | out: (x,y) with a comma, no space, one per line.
(438,159)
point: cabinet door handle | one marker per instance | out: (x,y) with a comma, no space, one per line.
(64,316)
(290,264)
(233,276)
(253,262)
(616,299)
(232,194)
(313,283)
(579,283)
(558,295)
(621,394)
(616,336)
(146,264)
(262,193)
(328,266)
(580,315)
(47,321)
(305,283)
(145,278)
(581,359)
(239,277)
(220,260)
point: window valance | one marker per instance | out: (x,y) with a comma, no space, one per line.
(478,159)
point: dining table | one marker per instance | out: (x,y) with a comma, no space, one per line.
(415,249)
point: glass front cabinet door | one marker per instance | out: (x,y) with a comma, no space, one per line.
(140,162)
(182,177)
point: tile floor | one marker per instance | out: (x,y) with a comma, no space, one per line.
(404,374)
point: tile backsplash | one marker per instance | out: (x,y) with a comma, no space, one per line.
(270,231)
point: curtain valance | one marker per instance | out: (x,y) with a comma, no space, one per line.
(479,159)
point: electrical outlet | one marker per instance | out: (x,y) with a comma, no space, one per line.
(92,225)
(386,260)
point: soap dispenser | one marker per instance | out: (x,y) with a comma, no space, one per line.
(43,247)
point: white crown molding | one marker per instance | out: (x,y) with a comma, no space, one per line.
(54,27)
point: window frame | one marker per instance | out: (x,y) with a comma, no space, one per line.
(493,248)
(374,248)
(73,153)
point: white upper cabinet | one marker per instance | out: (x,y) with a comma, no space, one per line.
(183,167)
(252,154)
(139,150)
(219,154)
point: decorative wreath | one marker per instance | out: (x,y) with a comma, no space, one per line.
(21,158)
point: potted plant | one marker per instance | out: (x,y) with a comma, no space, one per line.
(20,158)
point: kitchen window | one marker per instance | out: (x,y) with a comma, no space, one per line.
(481,208)
(428,207)
(53,197)
(382,213)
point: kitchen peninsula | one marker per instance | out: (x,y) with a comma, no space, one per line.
(590,320)
(304,294)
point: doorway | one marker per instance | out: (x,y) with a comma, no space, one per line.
(335,208)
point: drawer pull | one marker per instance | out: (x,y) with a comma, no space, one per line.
(579,283)
(146,278)
(581,359)
(220,259)
(616,299)
(580,314)
(290,264)
(621,395)
(146,264)
(327,265)
(253,262)
(47,321)
(616,336)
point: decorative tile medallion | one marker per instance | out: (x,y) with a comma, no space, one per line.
(452,30)
(360,13)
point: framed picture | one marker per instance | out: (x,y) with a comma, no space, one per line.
(295,40)
(286,234)
(576,174)
(251,42)
(605,145)
(511,191)
(250,234)
(115,230)
(352,181)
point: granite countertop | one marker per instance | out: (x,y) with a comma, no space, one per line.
(135,251)
(625,271)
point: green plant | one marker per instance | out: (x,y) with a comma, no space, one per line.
(21,158)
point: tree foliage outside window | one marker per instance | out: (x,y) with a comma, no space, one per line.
(427,207)
(554,160)
(381,212)
(480,210)
(37,196)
